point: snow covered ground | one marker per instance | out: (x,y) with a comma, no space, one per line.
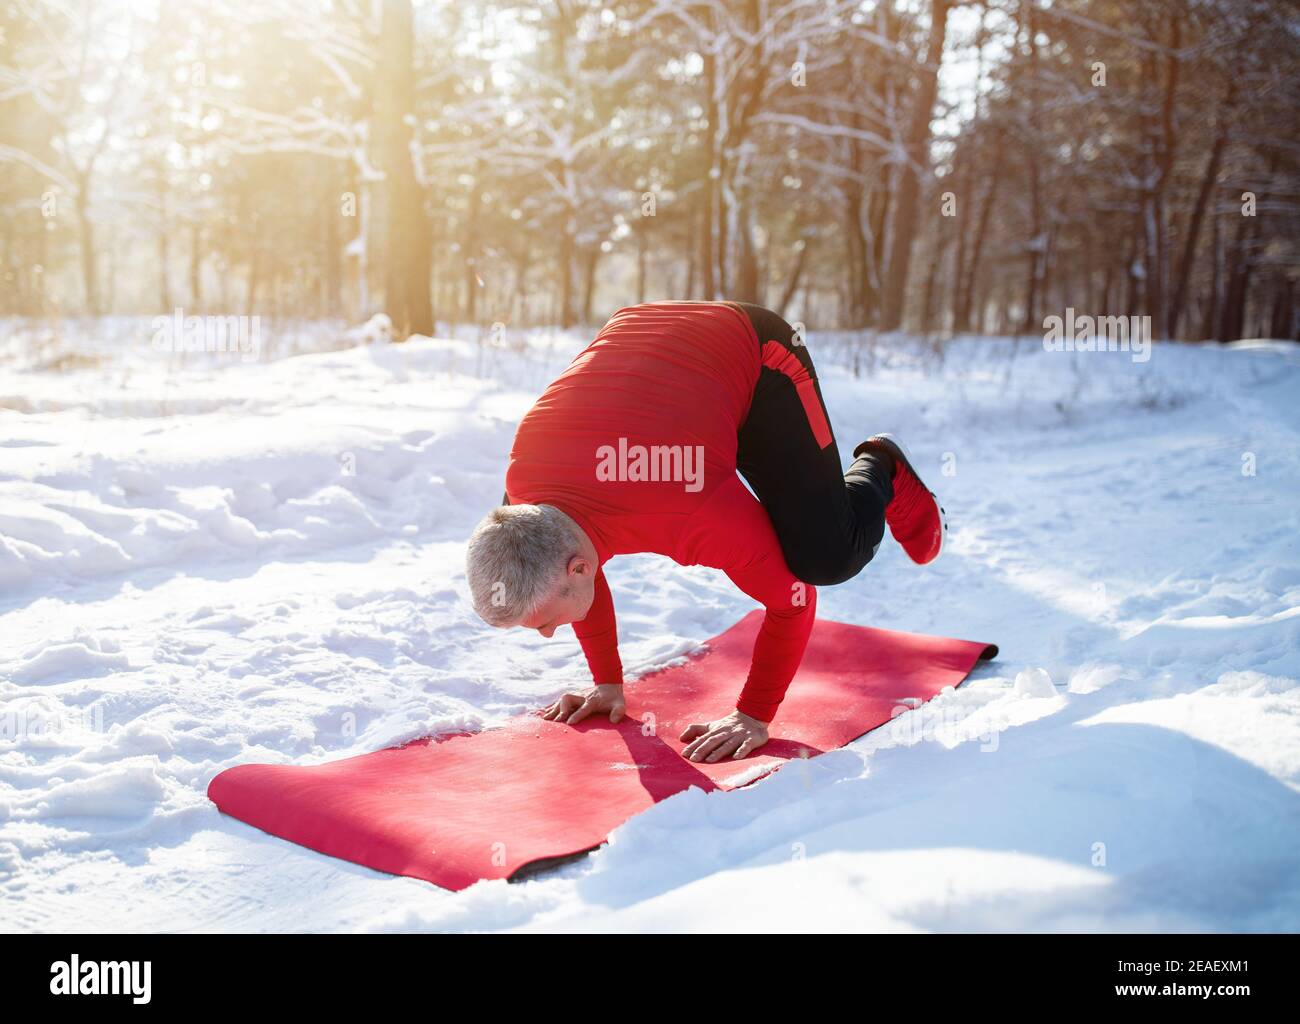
(206,561)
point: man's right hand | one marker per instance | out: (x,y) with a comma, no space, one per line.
(604,698)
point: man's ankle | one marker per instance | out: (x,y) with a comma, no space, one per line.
(879,452)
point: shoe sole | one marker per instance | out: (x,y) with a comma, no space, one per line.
(906,456)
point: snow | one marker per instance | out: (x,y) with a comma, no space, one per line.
(206,561)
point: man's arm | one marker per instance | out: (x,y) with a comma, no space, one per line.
(598,631)
(782,639)
(740,540)
(598,634)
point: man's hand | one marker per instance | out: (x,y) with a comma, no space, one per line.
(604,698)
(735,736)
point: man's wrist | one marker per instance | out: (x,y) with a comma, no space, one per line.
(750,718)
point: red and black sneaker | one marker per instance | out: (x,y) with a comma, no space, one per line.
(915,517)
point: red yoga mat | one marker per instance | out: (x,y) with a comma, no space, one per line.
(467,807)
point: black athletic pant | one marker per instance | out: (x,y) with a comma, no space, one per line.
(829,524)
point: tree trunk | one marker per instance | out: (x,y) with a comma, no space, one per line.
(692,255)
(642,245)
(469,250)
(795,276)
(330,301)
(1194,227)
(1038,241)
(591,260)
(164,288)
(1281,323)
(1237,290)
(966,291)
(963,175)
(855,244)
(196,268)
(406,294)
(254,280)
(877,218)
(566,275)
(86,233)
(746,287)
(1210,319)
(918,139)
(709,184)
(939,250)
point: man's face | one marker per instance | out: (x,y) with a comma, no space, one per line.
(569,601)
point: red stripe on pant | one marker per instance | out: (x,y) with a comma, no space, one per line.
(777,357)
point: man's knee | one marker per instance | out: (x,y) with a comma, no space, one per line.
(824,569)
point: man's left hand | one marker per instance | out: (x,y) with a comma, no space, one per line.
(735,736)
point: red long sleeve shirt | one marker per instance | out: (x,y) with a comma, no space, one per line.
(680,377)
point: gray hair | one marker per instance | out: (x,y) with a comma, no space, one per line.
(516,556)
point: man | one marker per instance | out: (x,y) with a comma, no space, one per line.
(636,447)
